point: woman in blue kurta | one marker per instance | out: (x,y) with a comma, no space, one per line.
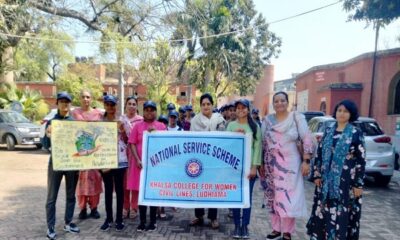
(338,174)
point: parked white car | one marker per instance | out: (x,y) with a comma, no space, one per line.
(380,153)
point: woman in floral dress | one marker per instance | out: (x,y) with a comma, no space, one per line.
(338,173)
(284,166)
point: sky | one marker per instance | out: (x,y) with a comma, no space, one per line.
(317,38)
(320,37)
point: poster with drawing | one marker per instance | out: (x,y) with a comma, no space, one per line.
(80,145)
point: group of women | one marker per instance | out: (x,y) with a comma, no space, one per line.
(281,154)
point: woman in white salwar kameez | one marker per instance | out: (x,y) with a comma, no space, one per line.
(284,167)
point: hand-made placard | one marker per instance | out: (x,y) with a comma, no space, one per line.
(77,145)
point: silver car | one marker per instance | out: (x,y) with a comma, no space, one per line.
(15,129)
(380,153)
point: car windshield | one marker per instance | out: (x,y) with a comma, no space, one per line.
(13,117)
(323,125)
(369,128)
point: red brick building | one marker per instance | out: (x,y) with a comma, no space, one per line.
(320,88)
(108,75)
(184,92)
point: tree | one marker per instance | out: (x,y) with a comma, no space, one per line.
(228,59)
(117,21)
(384,11)
(33,105)
(157,69)
(79,78)
(14,20)
(38,60)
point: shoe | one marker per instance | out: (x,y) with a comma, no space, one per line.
(151,227)
(287,236)
(106,226)
(245,232)
(163,216)
(196,222)
(72,228)
(141,228)
(51,234)
(119,226)
(214,224)
(83,214)
(274,235)
(94,213)
(237,232)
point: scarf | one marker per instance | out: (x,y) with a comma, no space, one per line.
(271,125)
(332,170)
(203,123)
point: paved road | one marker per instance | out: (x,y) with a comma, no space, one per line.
(23,191)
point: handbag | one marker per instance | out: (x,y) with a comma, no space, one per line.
(299,141)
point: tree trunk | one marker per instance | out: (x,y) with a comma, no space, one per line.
(121,82)
(7,76)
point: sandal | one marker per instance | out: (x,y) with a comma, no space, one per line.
(274,234)
(133,214)
(196,222)
(125,213)
(287,236)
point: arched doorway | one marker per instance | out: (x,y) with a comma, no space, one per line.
(322,107)
(394,95)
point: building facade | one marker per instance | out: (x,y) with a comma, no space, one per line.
(320,88)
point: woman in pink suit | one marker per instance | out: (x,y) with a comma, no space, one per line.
(129,120)
(89,183)
(284,166)
(149,123)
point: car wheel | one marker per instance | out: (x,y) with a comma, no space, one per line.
(39,146)
(383,181)
(10,140)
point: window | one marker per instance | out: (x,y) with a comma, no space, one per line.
(394,95)
(369,128)
(13,117)
(323,125)
(183,94)
(320,127)
(311,125)
(322,107)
